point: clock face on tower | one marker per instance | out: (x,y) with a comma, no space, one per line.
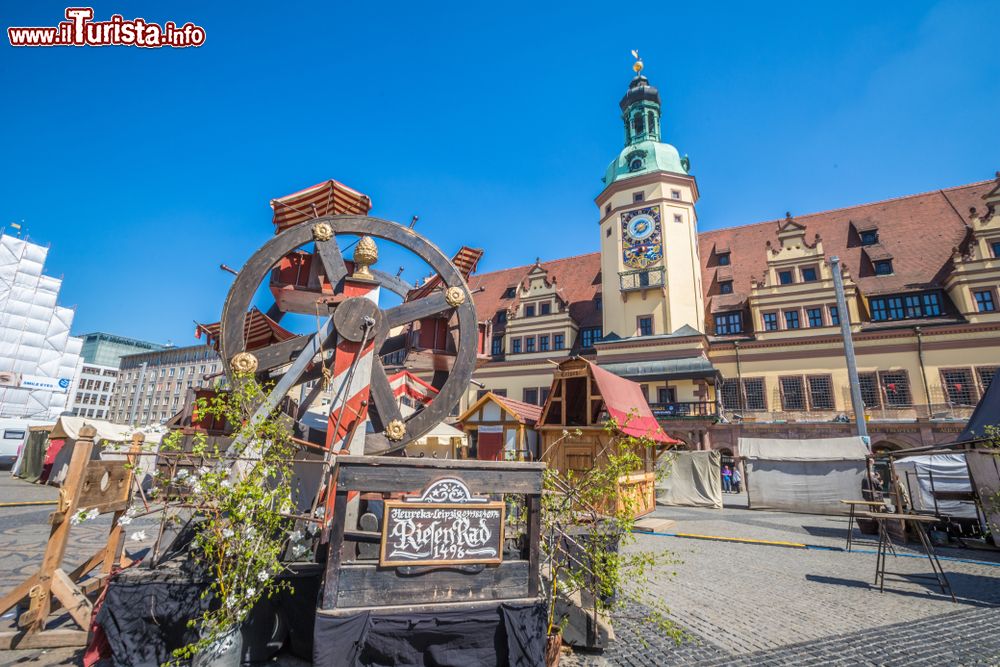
(642,238)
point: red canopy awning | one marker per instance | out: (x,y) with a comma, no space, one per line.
(259,330)
(627,404)
(405,383)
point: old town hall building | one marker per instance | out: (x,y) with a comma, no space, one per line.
(736,331)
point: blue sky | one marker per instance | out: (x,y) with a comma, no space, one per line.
(145,169)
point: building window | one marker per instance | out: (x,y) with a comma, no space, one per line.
(896,387)
(753,391)
(815,316)
(809,274)
(638,196)
(607,209)
(791,319)
(589,336)
(793,395)
(730,395)
(599,302)
(883,267)
(500,392)
(820,392)
(530,395)
(558,341)
(646,326)
(834,316)
(785,277)
(496,349)
(726,287)
(515,346)
(543,395)
(544,308)
(723,259)
(985,374)
(529,344)
(869,237)
(770,321)
(678,217)
(675,194)
(666,395)
(727,324)
(607,232)
(635,165)
(510,292)
(529,311)
(543,343)
(926,304)
(984,301)
(959,387)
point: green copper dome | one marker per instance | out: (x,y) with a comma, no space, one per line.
(644,153)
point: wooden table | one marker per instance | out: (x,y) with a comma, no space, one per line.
(917,521)
(851,520)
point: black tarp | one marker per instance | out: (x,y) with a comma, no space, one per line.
(987,413)
(507,634)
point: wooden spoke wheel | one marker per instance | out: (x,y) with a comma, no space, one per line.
(299,360)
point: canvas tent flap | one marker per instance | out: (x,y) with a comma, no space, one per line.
(69,428)
(816,449)
(627,405)
(810,476)
(923,476)
(694,479)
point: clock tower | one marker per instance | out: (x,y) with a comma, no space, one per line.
(651,275)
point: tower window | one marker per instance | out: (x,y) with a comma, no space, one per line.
(638,196)
(646,326)
(675,194)
(726,287)
(637,124)
(650,120)
(723,259)
(678,217)
(607,208)
(635,165)
(869,237)
(608,233)
(883,267)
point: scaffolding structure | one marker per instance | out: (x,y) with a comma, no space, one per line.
(38,357)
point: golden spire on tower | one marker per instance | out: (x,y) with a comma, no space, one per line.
(637,65)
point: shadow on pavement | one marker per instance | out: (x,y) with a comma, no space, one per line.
(971,590)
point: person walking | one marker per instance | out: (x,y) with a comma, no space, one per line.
(737,478)
(727,479)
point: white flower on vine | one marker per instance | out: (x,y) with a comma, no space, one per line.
(131,512)
(263,575)
(225,484)
(298,550)
(227,533)
(183,473)
(138,536)
(296,535)
(84,515)
(251,591)
(124,520)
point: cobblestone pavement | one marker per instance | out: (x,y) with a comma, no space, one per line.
(739,604)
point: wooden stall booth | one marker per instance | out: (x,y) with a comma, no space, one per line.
(583,397)
(439,558)
(501,428)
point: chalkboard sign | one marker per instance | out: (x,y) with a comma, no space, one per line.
(444,526)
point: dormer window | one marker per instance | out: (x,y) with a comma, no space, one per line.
(726,287)
(786,277)
(529,311)
(635,164)
(995,247)
(883,267)
(509,293)
(869,237)
(501,317)
(545,308)
(723,259)
(809,274)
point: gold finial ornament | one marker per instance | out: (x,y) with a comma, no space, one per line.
(365,254)
(322,231)
(395,430)
(455,296)
(637,65)
(244,363)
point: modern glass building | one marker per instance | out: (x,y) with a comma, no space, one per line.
(104,349)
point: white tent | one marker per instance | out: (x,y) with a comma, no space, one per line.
(693,479)
(924,475)
(810,476)
(112,440)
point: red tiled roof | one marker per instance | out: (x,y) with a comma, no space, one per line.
(577,282)
(917,231)
(529,413)
(259,330)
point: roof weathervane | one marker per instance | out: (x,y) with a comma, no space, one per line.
(637,65)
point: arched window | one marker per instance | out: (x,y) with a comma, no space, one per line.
(637,123)
(635,164)
(650,120)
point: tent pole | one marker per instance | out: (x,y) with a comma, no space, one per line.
(852,366)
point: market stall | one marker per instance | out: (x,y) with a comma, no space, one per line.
(690,479)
